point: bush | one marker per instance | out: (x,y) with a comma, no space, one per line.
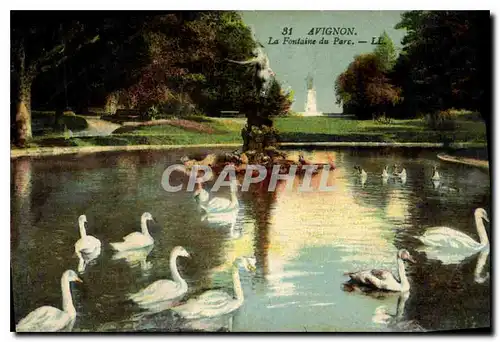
(441,120)
(257,139)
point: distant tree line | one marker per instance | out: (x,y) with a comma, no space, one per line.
(444,63)
(157,63)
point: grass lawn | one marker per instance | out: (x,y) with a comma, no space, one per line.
(201,130)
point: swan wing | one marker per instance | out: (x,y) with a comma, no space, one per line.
(218,204)
(209,304)
(133,241)
(448,238)
(44,319)
(87,245)
(447,256)
(160,290)
(380,279)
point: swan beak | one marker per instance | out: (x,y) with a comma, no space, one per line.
(154,220)
(410,259)
(78,280)
(252,268)
(486,219)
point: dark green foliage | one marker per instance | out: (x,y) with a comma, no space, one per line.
(445,60)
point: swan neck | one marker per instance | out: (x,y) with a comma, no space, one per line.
(405,284)
(83,232)
(67,300)
(144,226)
(238,290)
(175,272)
(481,231)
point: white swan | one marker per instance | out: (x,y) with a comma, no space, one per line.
(155,295)
(401,175)
(219,209)
(362,174)
(49,318)
(451,246)
(87,248)
(385,173)
(136,240)
(214,303)
(384,279)
(435,175)
(200,194)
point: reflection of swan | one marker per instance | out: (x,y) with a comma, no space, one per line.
(481,262)
(49,318)
(395,321)
(451,246)
(136,240)
(384,279)
(88,247)
(220,209)
(163,290)
(136,257)
(215,303)
(401,175)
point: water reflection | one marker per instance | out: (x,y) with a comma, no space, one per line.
(136,257)
(303,243)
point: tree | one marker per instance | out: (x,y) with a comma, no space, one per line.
(386,52)
(365,89)
(449,55)
(37,45)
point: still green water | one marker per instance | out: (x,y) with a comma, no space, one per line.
(303,242)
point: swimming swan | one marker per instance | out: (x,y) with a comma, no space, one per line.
(401,175)
(155,295)
(435,175)
(88,247)
(136,240)
(221,209)
(451,246)
(215,303)
(385,173)
(49,318)
(384,279)
(201,195)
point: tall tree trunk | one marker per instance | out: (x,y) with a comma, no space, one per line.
(23,111)
(25,76)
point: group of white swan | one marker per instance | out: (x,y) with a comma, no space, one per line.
(400,175)
(441,243)
(160,295)
(448,245)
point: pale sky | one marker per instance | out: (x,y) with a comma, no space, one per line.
(292,63)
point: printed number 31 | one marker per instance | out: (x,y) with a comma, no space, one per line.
(287,31)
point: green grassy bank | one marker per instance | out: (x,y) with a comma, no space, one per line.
(203,130)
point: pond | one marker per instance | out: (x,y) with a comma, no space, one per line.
(302,242)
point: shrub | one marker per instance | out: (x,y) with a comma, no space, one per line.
(441,120)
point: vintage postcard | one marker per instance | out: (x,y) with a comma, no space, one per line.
(250,171)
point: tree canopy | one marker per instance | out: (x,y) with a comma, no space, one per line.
(444,63)
(175,62)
